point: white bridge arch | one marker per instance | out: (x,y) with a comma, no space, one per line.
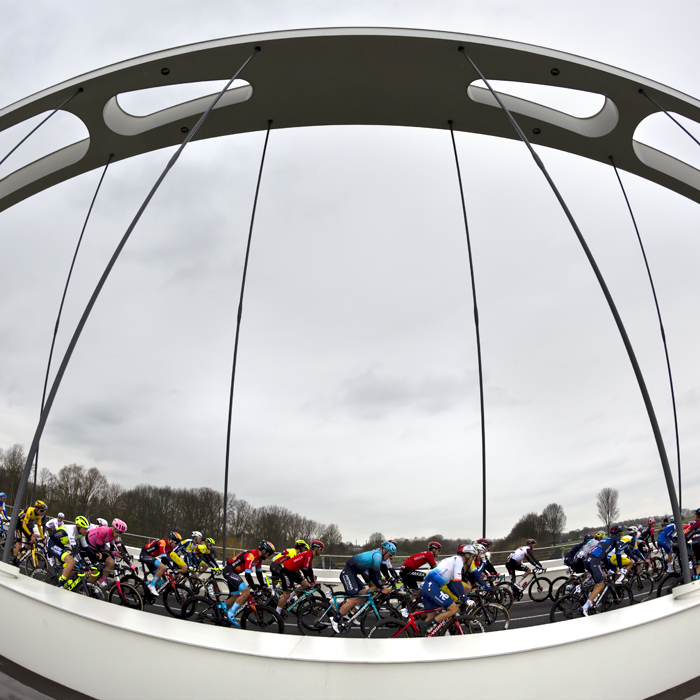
(315,77)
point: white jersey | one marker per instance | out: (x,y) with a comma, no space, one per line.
(450,569)
(586,549)
(54,524)
(520,553)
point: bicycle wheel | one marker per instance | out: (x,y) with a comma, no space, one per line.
(92,590)
(504,596)
(539,590)
(658,568)
(568,607)
(262,619)
(668,583)
(617,596)
(460,625)
(369,618)
(494,616)
(391,628)
(556,589)
(174,597)
(35,560)
(129,597)
(200,609)
(511,589)
(314,617)
(642,587)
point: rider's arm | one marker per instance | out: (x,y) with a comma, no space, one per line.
(530,556)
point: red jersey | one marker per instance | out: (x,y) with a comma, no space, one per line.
(417,560)
(158,548)
(246,561)
(303,560)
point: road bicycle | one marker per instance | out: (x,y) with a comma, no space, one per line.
(493,615)
(33,562)
(613,596)
(314,616)
(252,615)
(461,624)
(539,588)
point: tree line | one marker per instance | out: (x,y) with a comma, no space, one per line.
(153,511)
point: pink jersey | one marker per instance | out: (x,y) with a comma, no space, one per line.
(99,536)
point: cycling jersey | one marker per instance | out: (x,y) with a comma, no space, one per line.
(286,554)
(448,573)
(303,561)
(245,562)
(3,512)
(159,549)
(476,568)
(98,537)
(367,562)
(667,533)
(606,546)
(415,561)
(196,553)
(647,535)
(27,519)
(631,548)
(585,551)
(522,553)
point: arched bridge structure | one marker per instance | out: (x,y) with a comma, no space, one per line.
(315,77)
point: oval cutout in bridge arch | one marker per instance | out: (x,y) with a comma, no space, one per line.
(576,103)
(659,132)
(141,103)
(61,130)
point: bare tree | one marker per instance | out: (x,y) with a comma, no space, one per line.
(375,539)
(331,538)
(11,467)
(553,521)
(608,511)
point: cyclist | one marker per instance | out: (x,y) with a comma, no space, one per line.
(570,558)
(411,577)
(54,524)
(579,566)
(594,563)
(238,589)
(99,545)
(156,555)
(387,568)
(489,568)
(196,553)
(290,571)
(515,562)
(26,522)
(692,537)
(646,538)
(63,545)
(368,563)
(4,519)
(476,569)
(279,557)
(664,541)
(448,573)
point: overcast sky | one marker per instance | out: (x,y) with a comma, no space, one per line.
(357,396)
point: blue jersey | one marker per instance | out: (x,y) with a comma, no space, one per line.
(667,532)
(606,546)
(370,562)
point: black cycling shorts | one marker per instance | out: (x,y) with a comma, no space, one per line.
(512,566)
(351,582)
(288,579)
(594,565)
(412,578)
(235,583)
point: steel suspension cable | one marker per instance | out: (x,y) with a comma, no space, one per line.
(91,303)
(675,121)
(613,309)
(43,121)
(238,330)
(661,328)
(60,309)
(478,336)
